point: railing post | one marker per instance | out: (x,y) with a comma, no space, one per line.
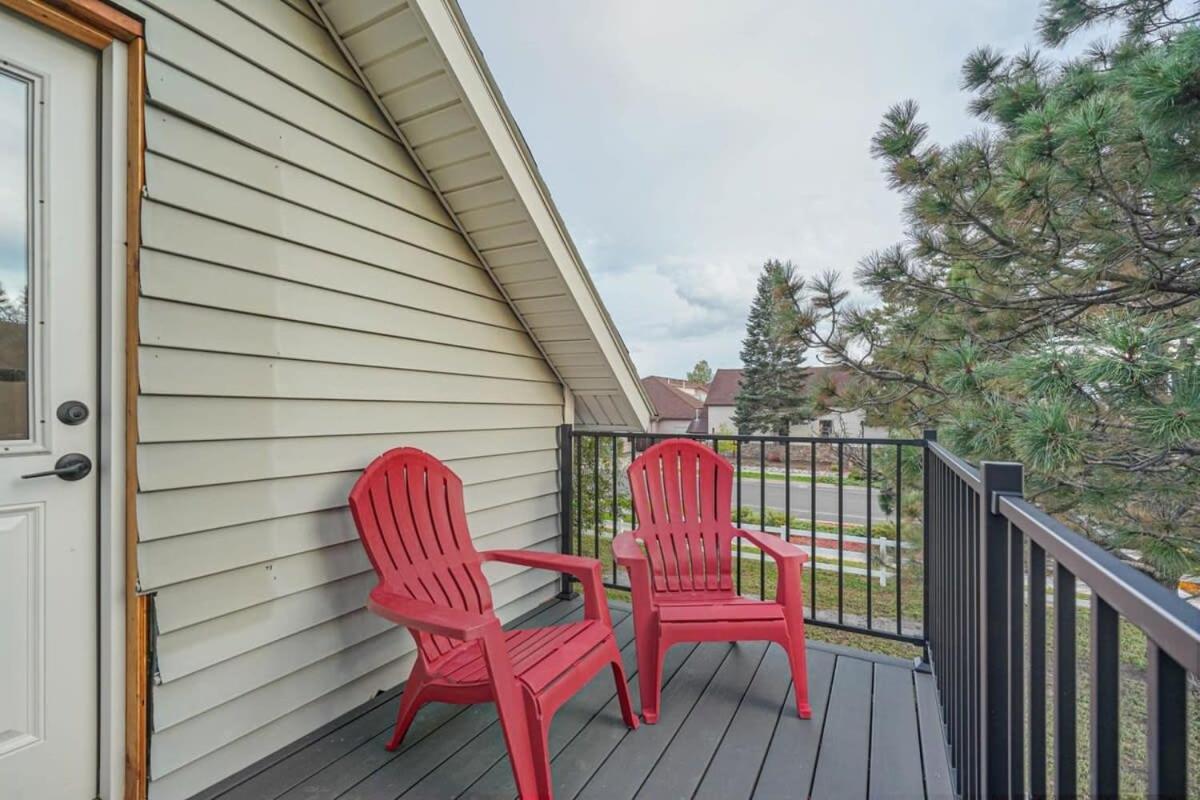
(997,480)
(930,435)
(1166,726)
(565,493)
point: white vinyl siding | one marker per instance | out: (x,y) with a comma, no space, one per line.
(305,304)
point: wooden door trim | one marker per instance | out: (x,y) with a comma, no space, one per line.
(90,22)
(97,24)
(137,605)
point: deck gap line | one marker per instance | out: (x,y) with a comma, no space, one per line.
(439,764)
(812,779)
(686,717)
(770,741)
(871,725)
(383,698)
(920,737)
(626,733)
(729,724)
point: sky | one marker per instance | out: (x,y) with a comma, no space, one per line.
(685,143)
(13,185)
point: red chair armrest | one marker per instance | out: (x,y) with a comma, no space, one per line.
(630,555)
(577,566)
(587,571)
(788,558)
(626,550)
(775,547)
(427,617)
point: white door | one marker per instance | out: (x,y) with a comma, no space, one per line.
(48,361)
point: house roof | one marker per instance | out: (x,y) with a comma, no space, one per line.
(726,383)
(723,390)
(669,401)
(425,72)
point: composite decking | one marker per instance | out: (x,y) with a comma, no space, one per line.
(728,730)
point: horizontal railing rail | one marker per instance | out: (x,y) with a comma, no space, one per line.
(842,499)
(991,552)
(1171,623)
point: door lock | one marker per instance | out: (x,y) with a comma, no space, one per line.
(72,412)
(71,467)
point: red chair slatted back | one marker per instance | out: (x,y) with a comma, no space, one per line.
(408,507)
(681,492)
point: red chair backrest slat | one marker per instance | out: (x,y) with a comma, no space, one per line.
(409,510)
(681,493)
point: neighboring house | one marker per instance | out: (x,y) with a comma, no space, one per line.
(677,409)
(338,243)
(722,401)
(696,390)
(721,404)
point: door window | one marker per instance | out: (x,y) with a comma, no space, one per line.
(16,189)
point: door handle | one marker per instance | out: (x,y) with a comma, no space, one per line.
(71,467)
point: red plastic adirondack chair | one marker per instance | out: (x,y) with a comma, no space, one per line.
(680,567)
(408,507)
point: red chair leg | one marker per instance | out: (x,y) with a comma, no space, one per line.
(410,703)
(539,744)
(627,712)
(650,662)
(511,709)
(799,661)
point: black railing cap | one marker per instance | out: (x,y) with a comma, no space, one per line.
(1166,619)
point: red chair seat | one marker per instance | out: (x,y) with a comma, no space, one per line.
(539,655)
(735,610)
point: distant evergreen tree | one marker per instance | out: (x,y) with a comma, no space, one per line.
(772,397)
(11,310)
(701,373)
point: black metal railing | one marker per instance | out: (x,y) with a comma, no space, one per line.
(990,552)
(855,504)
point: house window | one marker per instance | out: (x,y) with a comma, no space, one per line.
(826,428)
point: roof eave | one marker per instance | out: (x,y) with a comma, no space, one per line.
(447,26)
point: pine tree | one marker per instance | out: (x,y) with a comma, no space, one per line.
(701,373)
(1045,306)
(772,396)
(10,310)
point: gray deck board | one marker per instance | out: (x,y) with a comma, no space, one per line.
(895,742)
(728,729)
(791,757)
(580,759)
(935,760)
(842,759)
(677,774)
(627,766)
(735,766)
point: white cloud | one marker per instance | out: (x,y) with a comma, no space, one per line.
(687,142)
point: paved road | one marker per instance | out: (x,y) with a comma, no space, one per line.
(854,500)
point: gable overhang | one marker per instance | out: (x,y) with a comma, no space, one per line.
(426,73)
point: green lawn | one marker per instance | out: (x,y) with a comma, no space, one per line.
(847,480)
